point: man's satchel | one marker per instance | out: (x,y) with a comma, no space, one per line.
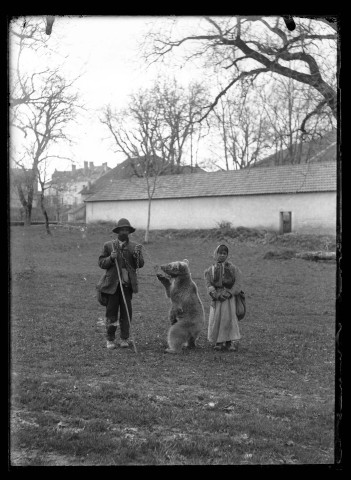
(101,297)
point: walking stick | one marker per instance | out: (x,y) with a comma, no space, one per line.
(125,302)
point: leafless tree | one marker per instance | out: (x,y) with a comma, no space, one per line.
(242,128)
(135,133)
(42,105)
(153,130)
(43,124)
(288,109)
(180,108)
(26,34)
(247,47)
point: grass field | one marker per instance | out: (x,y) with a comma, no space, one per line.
(73,402)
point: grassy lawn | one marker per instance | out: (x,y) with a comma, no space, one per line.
(73,402)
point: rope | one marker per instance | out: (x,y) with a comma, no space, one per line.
(155,265)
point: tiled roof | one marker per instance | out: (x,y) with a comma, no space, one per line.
(323,149)
(76,208)
(126,170)
(317,177)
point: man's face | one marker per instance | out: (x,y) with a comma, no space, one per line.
(123,233)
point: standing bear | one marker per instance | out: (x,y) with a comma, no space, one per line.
(187,314)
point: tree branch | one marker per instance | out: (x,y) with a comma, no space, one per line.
(316,111)
(224,91)
(262,52)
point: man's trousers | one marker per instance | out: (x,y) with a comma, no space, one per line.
(116,304)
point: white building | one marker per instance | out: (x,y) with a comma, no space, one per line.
(297,198)
(65,187)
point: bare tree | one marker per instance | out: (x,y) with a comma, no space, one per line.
(154,130)
(288,106)
(180,109)
(42,104)
(251,46)
(242,128)
(135,132)
(44,124)
(26,34)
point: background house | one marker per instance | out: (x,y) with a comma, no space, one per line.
(64,189)
(65,186)
(298,198)
(130,167)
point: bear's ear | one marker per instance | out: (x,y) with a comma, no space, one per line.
(186,261)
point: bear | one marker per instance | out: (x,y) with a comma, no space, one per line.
(187,315)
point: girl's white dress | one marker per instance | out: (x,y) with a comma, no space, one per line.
(223,324)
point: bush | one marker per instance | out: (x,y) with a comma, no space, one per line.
(224,225)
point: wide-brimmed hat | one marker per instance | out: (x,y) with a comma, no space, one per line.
(123,223)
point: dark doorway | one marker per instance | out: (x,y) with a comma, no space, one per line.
(285,222)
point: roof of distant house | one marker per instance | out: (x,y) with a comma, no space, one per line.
(322,149)
(319,177)
(91,173)
(131,167)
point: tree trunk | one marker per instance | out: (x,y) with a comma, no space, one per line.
(148,221)
(43,209)
(191,150)
(27,205)
(27,215)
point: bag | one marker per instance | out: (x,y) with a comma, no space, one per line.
(240,305)
(101,297)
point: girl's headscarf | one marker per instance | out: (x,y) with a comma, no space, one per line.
(215,253)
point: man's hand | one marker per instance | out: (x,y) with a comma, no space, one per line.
(113,255)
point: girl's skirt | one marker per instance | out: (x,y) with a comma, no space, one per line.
(223,324)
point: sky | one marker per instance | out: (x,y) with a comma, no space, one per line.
(103,50)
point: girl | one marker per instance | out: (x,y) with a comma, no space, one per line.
(223,281)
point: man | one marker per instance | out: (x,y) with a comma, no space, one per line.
(129,258)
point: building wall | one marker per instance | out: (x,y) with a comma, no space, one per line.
(77,214)
(311,212)
(69,196)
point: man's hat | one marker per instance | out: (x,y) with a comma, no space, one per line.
(123,223)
